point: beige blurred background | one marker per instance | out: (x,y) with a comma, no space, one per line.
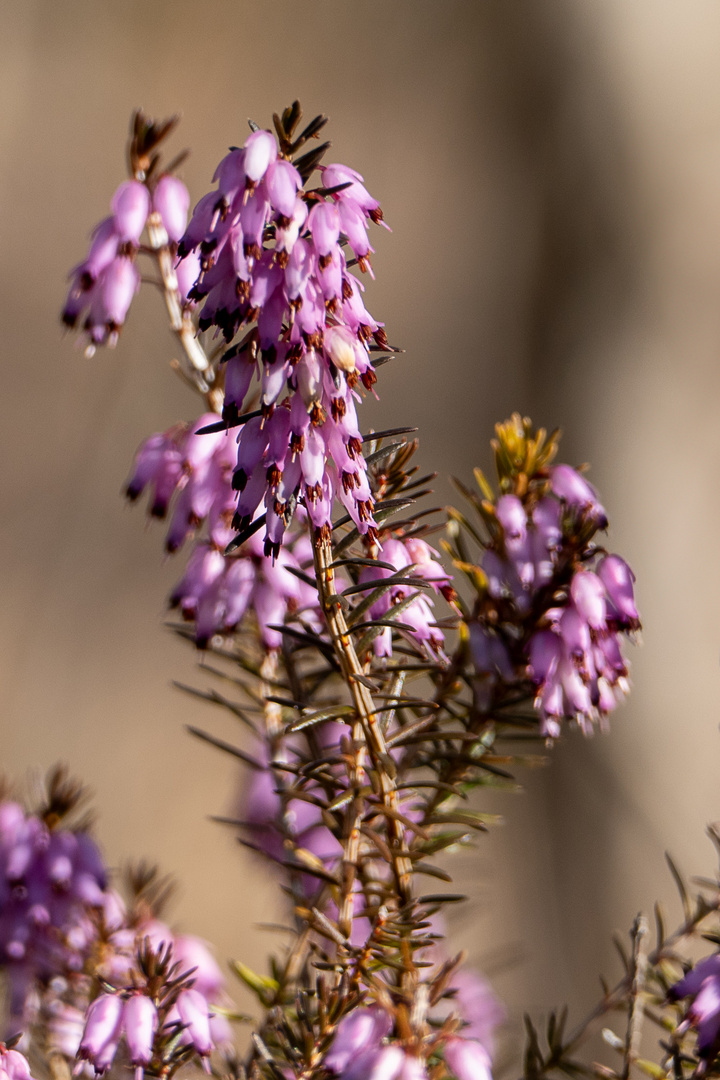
(551,171)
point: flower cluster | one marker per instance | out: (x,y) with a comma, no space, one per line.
(196,467)
(361,1048)
(49,879)
(577,664)
(103,285)
(270,821)
(553,607)
(152,1020)
(114,946)
(272,258)
(702,984)
(416,620)
(194,471)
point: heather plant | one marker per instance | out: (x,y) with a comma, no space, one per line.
(382,689)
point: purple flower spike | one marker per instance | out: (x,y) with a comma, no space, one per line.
(553,602)
(272,260)
(141,1020)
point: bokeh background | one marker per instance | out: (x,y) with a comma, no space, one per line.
(551,172)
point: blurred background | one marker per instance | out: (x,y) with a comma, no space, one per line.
(551,172)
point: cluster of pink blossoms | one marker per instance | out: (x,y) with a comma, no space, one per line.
(117,937)
(103,285)
(272,258)
(702,985)
(194,472)
(56,912)
(416,620)
(49,880)
(573,656)
(134,1016)
(360,1051)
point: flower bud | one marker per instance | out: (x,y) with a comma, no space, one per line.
(309,378)
(618,578)
(588,593)
(103,1026)
(119,284)
(324,224)
(467,1059)
(141,1022)
(195,1015)
(283,181)
(130,206)
(341,346)
(574,489)
(260,152)
(359,1030)
(171,199)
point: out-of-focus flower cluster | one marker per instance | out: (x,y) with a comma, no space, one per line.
(363,1047)
(273,261)
(63,930)
(50,880)
(194,472)
(417,619)
(552,606)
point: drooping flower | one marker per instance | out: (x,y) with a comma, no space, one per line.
(479,1006)
(140,1020)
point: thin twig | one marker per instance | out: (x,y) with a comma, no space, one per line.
(635,1011)
(180,320)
